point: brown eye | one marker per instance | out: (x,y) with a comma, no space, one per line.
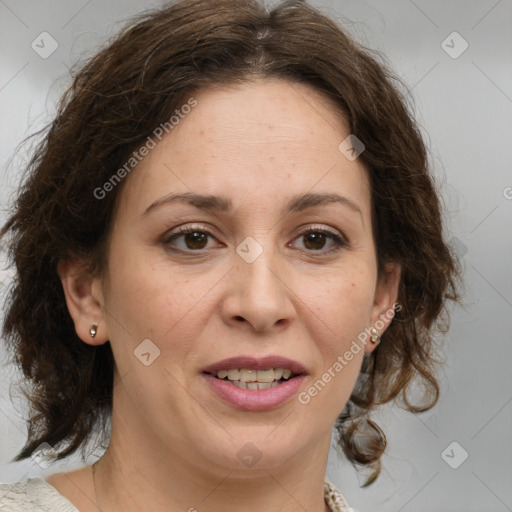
(314,240)
(188,239)
(321,241)
(196,240)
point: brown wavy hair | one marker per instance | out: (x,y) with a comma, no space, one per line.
(116,100)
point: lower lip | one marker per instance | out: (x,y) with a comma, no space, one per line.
(254,399)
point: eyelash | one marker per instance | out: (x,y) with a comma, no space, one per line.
(339,242)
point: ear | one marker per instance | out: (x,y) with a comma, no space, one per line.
(84,299)
(386,294)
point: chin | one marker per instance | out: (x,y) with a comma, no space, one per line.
(258,451)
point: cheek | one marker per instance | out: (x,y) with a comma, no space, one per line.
(152,300)
(342,312)
(342,303)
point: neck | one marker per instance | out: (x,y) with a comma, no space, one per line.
(126,488)
(139,474)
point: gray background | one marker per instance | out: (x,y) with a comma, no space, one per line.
(464,106)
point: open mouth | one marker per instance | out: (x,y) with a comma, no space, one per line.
(247,378)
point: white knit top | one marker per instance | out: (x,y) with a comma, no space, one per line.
(34,495)
(37,495)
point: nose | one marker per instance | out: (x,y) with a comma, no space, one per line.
(258,295)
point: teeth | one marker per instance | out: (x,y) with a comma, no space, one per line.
(255,379)
(233,374)
(286,374)
(248,375)
(265,376)
(254,385)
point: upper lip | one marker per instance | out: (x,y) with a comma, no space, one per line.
(256,363)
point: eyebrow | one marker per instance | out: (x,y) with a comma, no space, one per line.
(223,204)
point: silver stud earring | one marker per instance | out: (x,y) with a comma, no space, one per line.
(375,338)
(93,330)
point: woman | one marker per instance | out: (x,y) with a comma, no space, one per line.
(228,242)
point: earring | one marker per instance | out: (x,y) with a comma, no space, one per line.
(93,330)
(375,338)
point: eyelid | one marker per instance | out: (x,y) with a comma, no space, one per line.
(321,227)
(187,228)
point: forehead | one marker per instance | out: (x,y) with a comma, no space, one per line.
(260,143)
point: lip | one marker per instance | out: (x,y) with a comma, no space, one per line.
(257,399)
(256,363)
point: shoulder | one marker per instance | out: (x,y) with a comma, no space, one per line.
(334,499)
(33,495)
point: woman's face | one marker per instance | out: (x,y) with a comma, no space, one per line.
(278,271)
